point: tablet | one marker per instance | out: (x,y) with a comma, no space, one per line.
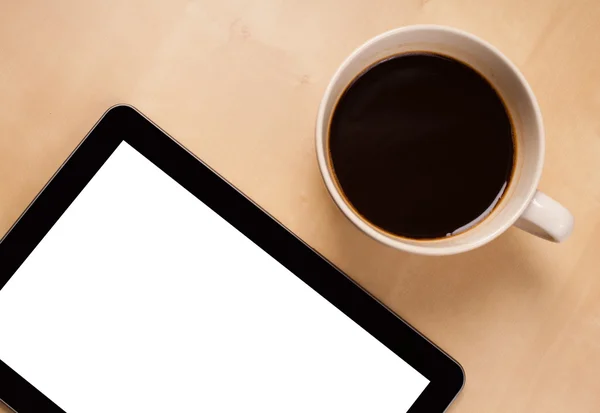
(139,280)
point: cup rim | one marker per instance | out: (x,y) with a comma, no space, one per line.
(424,247)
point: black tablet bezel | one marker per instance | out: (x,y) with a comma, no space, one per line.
(124,123)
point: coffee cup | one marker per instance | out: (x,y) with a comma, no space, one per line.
(521,203)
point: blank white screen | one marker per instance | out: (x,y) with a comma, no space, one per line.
(141,298)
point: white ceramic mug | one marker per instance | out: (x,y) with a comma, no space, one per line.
(522,204)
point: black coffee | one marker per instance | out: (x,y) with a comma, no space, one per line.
(421,145)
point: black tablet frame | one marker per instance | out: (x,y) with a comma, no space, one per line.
(125,123)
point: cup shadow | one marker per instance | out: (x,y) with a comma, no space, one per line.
(433,290)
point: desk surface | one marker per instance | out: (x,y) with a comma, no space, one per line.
(238,82)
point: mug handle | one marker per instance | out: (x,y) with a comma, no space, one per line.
(546,218)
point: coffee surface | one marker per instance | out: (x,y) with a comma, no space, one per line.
(421,145)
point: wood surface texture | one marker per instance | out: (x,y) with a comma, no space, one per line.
(239,81)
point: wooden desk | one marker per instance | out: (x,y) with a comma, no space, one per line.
(239,81)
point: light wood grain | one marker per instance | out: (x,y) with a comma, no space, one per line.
(239,81)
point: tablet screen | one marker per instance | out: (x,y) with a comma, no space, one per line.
(142,299)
